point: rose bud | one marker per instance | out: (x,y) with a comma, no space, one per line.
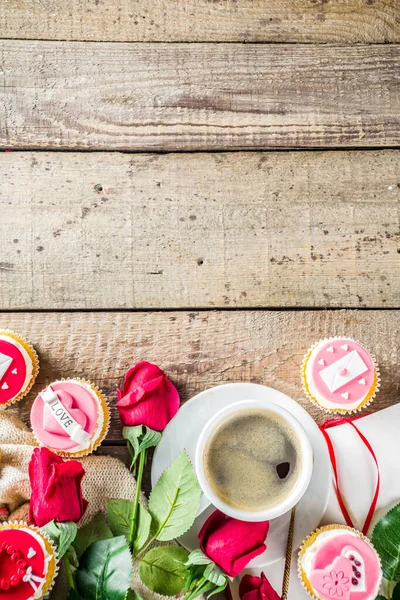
(257,588)
(231,543)
(56,488)
(147,397)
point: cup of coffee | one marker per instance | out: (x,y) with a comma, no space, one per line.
(254,460)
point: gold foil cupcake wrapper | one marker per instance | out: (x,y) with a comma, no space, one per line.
(95,443)
(52,566)
(308,542)
(35,365)
(340,411)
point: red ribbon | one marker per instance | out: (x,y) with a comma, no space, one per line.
(341,421)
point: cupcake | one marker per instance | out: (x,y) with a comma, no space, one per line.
(339,562)
(339,375)
(19,366)
(28,562)
(70,417)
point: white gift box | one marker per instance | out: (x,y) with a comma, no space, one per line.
(357,479)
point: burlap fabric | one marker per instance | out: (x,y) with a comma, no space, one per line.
(105,477)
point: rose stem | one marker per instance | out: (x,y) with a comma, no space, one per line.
(132,534)
(70,579)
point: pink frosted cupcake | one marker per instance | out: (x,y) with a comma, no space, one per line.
(70,417)
(339,562)
(339,375)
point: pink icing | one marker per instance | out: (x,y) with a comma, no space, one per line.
(339,559)
(15,381)
(22,541)
(354,390)
(80,404)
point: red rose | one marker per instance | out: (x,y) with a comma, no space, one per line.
(230,543)
(257,588)
(147,397)
(56,488)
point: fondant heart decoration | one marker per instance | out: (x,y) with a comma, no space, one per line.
(50,423)
(358,582)
(334,581)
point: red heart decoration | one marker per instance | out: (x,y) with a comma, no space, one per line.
(51,425)
(335,580)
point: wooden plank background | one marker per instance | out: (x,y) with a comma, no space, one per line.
(203,20)
(199,350)
(188,97)
(104,230)
(87,222)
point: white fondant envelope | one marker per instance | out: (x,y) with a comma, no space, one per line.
(5,362)
(352,363)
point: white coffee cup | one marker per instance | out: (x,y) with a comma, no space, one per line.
(306,458)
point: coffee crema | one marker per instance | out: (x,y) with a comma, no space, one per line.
(252,460)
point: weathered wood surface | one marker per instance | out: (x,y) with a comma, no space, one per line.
(197,96)
(101,230)
(199,350)
(202,20)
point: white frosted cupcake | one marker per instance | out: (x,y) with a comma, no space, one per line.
(338,562)
(70,417)
(339,375)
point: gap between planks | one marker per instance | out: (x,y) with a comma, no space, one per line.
(305,21)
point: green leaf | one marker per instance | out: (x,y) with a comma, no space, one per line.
(163,570)
(197,557)
(386,539)
(132,595)
(62,534)
(175,500)
(215,574)
(396,592)
(105,570)
(150,438)
(140,438)
(119,513)
(196,573)
(94,531)
(73,595)
(132,434)
(218,589)
(72,557)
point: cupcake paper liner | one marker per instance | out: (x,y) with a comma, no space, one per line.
(53,565)
(102,434)
(341,411)
(35,365)
(311,539)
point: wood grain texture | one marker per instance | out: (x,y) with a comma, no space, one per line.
(199,350)
(202,20)
(99,230)
(197,96)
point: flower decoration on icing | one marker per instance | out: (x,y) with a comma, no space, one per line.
(336,583)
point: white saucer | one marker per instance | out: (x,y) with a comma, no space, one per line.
(184,430)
